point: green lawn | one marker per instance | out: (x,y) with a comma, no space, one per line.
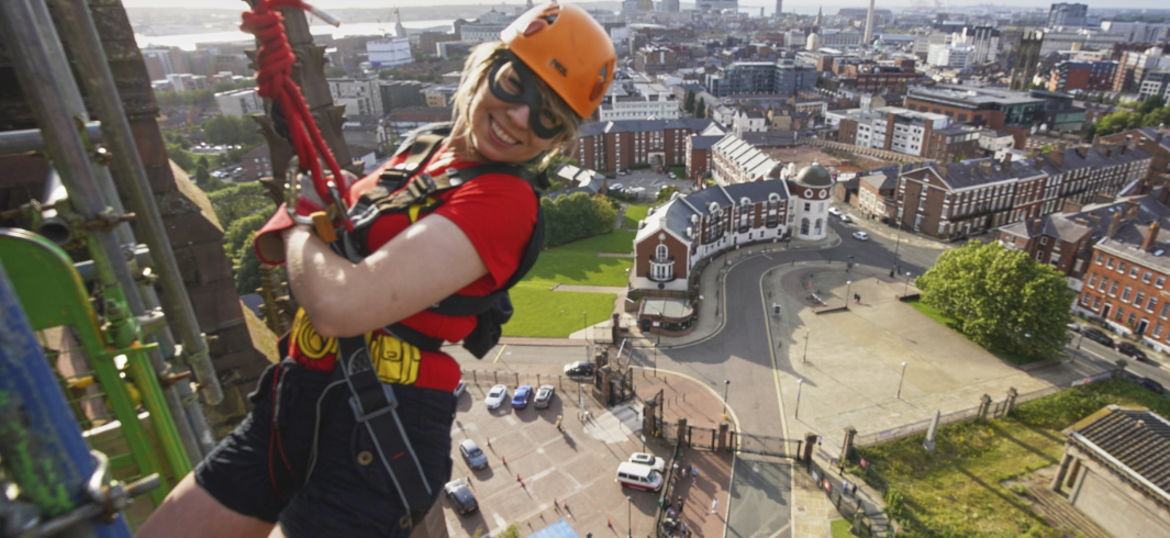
(953,324)
(956,491)
(555,314)
(634,214)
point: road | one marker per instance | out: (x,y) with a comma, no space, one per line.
(1092,358)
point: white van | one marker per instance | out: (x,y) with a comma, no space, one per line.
(638,476)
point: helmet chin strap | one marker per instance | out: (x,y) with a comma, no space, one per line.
(530,94)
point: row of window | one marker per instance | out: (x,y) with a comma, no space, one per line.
(1128,317)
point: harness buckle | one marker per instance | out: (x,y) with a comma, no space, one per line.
(391,405)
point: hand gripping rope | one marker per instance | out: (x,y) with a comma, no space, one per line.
(274,60)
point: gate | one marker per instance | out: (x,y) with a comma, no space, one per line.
(700,437)
(763,444)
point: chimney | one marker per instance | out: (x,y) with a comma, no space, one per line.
(1158,137)
(1070,206)
(1131,210)
(1007,161)
(1036,227)
(1108,150)
(1056,156)
(1151,236)
(1038,162)
(1114,223)
(1127,145)
(1083,151)
(1081,221)
(1095,218)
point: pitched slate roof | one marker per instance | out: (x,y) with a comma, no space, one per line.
(704,142)
(1134,442)
(675,215)
(1057,226)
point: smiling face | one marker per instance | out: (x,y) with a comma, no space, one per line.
(501,131)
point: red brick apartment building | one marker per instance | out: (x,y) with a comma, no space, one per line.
(1153,142)
(617,145)
(1126,282)
(979,194)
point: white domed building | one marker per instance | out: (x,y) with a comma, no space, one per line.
(812,188)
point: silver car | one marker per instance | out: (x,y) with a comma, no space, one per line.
(471,453)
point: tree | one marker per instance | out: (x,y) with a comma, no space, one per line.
(1003,300)
(201,175)
(1151,104)
(665,193)
(701,109)
(690,105)
(180,156)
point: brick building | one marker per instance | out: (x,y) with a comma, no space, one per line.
(993,107)
(951,200)
(1153,142)
(616,145)
(699,155)
(1126,282)
(1085,76)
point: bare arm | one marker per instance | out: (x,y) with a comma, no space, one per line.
(425,263)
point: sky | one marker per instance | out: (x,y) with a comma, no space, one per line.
(800,6)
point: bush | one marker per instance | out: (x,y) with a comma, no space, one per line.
(576,216)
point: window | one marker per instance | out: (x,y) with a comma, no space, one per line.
(1137,301)
(1133,271)
(1092,280)
(1126,293)
(1113,289)
(1120,313)
(1104,282)
(1109,263)
(660,252)
(1099,258)
(1096,302)
(1121,267)
(1150,305)
(1158,330)
(1146,277)
(1043,240)
(807,206)
(1085,299)
(1132,318)
(1165,310)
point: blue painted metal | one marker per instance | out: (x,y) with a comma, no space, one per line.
(560,529)
(29,388)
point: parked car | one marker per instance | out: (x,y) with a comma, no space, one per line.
(472,454)
(579,369)
(846,219)
(1130,350)
(615,187)
(834,212)
(496,396)
(638,476)
(1097,336)
(671,175)
(861,236)
(521,396)
(460,496)
(460,388)
(544,396)
(1151,385)
(642,458)
(1074,327)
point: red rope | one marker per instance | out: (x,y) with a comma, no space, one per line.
(275,59)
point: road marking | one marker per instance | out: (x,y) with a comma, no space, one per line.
(500,354)
(501,523)
(772,354)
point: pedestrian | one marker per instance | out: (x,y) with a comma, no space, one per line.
(694,470)
(520,103)
(714,506)
(845,487)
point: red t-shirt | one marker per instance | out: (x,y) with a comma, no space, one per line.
(497,213)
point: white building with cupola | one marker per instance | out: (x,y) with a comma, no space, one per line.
(755,200)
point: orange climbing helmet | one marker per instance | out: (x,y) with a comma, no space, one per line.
(568,50)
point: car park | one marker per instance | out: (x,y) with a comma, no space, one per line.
(1097,336)
(578,369)
(638,476)
(1130,350)
(461,497)
(544,396)
(496,396)
(861,236)
(460,388)
(472,454)
(521,396)
(649,460)
(671,175)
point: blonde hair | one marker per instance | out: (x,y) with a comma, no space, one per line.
(475,71)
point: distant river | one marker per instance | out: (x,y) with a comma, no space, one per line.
(188,41)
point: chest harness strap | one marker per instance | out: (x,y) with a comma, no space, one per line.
(405,190)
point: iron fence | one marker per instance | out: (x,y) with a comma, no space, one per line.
(664,529)
(864,514)
(763,444)
(702,438)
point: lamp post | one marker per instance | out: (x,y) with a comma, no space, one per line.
(629,517)
(799,389)
(898,243)
(584,323)
(804,358)
(656,344)
(848,286)
(903,378)
(726,384)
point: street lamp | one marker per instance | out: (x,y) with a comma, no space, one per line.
(629,517)
(805,357)
(848,286)
(899,396)
(726,384)
(799,389)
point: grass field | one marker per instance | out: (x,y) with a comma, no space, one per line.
(634,213)
(953,324)
(956,491)
(577,263)
(555,314)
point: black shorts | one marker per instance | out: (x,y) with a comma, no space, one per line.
(260,471)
